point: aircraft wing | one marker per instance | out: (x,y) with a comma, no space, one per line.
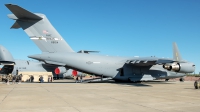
(148,61)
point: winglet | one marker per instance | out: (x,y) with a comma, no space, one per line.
(21,13)
(176,53)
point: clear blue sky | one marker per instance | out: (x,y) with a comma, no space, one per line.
(114,27)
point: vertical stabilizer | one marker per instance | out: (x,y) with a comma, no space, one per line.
(39,29)
(176,53)
(5,56)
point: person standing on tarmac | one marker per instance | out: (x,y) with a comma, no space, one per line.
(81,78)
(14,80)
(41,78)
(76,79)
(8,79)
(19,78)
(51,79)
(32,78)
(16,72)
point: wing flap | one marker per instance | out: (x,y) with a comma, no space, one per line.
(148,61)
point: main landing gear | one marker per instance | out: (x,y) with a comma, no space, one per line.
(166,80)
(182,79)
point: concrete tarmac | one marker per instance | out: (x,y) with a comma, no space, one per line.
(67,96)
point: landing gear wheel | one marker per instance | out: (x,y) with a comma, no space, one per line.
(166,80)
(196,85)
(181,79)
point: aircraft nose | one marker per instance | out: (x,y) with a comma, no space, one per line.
(193,65)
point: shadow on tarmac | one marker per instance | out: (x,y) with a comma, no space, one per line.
(190,88)
(137,84)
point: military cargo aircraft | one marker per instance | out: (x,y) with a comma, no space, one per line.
(38,27)
(13,66)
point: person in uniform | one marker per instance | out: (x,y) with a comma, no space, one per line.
(13,79)
(51,79)
(81,78)
(8,80)
(41,78)
(32,78)
(76,79)
(20,79)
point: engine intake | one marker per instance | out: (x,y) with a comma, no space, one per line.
(60,70)
(72,73)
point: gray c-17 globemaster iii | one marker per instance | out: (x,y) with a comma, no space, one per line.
(40,30)
(13,66)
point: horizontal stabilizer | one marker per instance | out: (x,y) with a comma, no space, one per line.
(15,26)
(21,13)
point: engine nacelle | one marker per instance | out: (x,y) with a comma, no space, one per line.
(175,67)
(60,70)
(72,73)
(180,67)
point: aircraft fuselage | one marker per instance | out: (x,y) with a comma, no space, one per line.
(108,66)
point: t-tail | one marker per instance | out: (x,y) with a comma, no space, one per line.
(39,29)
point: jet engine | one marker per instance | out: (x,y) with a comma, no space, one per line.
(72,73)
(180,67)
(60,70)
(67,72)
(167,66)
